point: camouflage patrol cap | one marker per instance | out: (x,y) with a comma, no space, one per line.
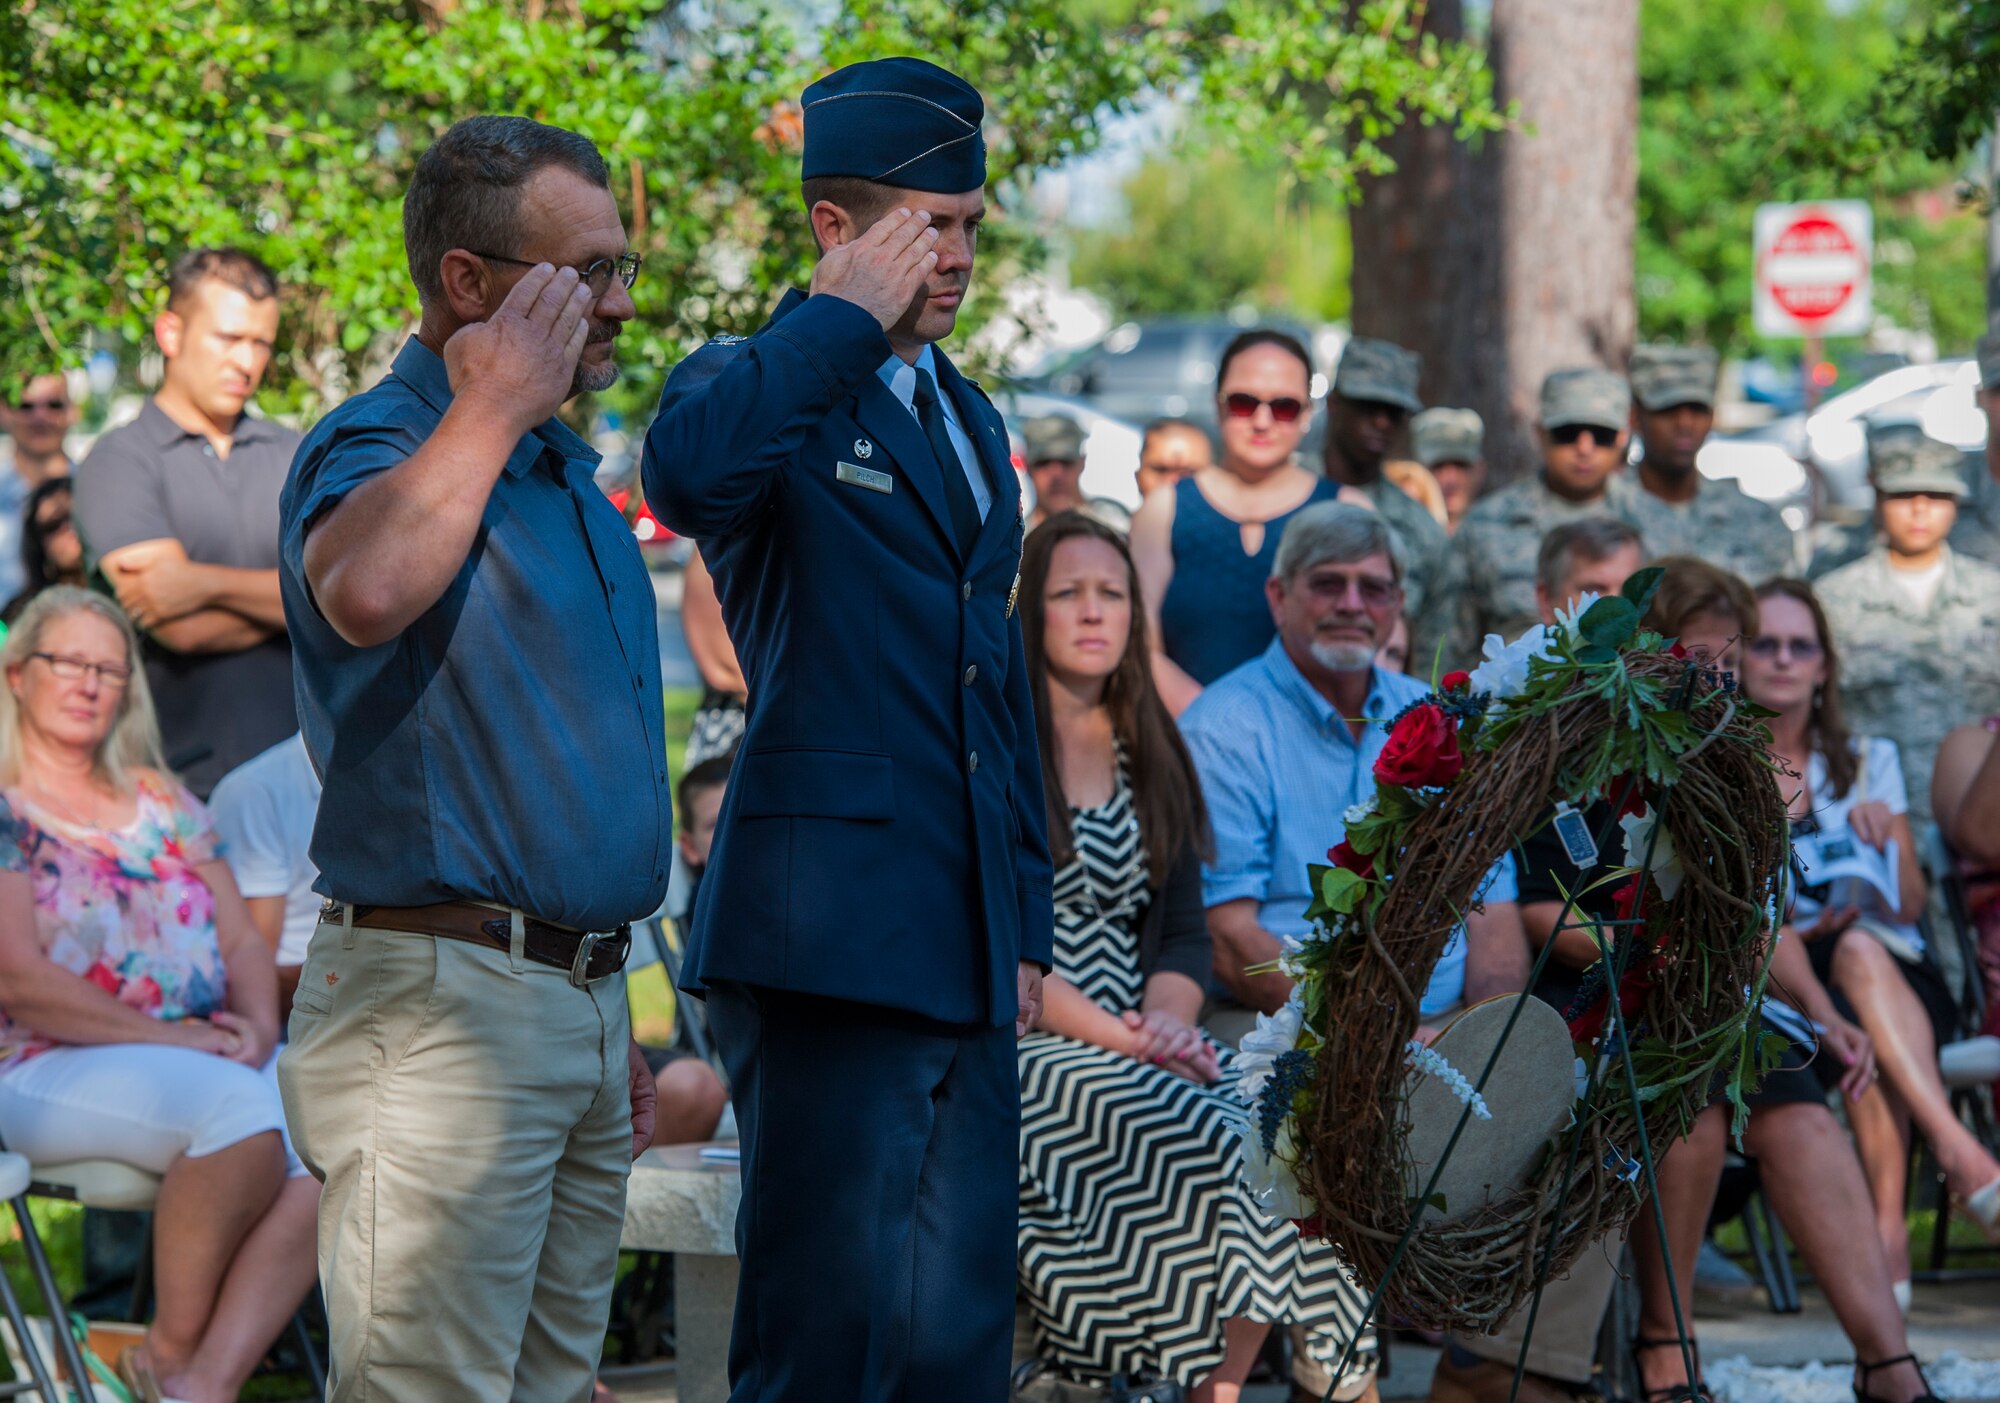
(1595,398)
(1989,358)
(1447,436)
(1379,372)
(1903,458)
(1665,376)
(1050,437)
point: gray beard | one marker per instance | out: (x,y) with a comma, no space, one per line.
(1343,657)
(589,379)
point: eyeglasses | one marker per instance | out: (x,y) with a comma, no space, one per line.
(75,669)
(1570,433)
(1284,409)
(595,276)
(47,406)
(1768,646)
(1376,592)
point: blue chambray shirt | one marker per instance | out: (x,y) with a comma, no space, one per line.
(1279,770)
(510,745)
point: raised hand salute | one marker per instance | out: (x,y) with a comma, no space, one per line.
(884,270)
(518,364)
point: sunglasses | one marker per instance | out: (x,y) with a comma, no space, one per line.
(1284,409)
(47,406)
(1570,433)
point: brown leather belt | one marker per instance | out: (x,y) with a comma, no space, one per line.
(583,955)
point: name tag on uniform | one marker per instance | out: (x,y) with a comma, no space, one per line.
(865,477)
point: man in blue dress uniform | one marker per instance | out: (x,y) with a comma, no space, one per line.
(876,909)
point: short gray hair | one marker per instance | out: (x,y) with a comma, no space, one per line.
(466,192)
(1591,538)
(1335,532)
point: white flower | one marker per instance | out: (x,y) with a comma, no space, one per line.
(1275,1033)
(1582,1077)
(1358,813)
(1422,1057)
(1505,671)
(1571,618)
(1269,1178)
(1666,865)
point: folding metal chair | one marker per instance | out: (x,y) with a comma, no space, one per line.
(16,1180)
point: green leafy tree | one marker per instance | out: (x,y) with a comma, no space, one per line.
(1744,101)
(131,129)
(1206,231)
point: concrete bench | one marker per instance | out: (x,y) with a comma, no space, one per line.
(679,1202)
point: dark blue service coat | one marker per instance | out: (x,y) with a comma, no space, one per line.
(883,837)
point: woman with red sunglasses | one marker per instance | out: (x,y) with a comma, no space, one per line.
(1204,545)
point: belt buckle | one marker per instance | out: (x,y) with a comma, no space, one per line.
(579,968)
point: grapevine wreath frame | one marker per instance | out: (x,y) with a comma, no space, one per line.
(1592,707)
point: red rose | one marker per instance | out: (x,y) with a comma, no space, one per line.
(1310,1227)
(1456,681)
(1422,752)
(1342,854)
(1629,793)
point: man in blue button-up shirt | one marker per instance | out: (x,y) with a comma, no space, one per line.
(479,687)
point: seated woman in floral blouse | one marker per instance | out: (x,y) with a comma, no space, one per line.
(138,1007)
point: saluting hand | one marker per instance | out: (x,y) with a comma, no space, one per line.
(521,361)
(882,271)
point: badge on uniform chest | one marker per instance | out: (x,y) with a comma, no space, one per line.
(864,477)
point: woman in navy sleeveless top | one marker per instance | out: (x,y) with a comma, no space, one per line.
(1204,548)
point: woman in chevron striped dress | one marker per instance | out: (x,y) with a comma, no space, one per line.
(1141,1252)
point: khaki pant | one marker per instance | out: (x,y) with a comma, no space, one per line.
(1565,1341)
(470,1116)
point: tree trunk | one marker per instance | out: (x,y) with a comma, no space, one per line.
(1505,262)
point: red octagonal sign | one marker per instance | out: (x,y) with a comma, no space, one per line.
(1813,268)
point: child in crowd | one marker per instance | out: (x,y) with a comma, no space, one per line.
(692,1098)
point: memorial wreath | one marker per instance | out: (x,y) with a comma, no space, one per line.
(1592,708)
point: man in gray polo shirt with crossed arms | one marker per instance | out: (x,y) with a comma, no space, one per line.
(479,686)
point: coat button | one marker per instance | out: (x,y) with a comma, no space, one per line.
(966,592)
(971,674)
(972,762)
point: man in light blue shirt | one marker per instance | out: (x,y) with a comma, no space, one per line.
(1287,743)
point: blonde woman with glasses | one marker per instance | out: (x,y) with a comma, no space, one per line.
(138,1007)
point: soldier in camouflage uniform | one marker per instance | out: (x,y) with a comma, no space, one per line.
(1452,444)
(1374,393)
(1674,392)
(1491,585)
(1917,623)
(1978,530)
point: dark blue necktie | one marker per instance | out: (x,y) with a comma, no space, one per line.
(958,498)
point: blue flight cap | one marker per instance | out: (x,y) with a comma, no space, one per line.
(896,121)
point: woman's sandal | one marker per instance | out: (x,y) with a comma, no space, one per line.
(1672,1393)
(135,1371)
(1861,1393)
